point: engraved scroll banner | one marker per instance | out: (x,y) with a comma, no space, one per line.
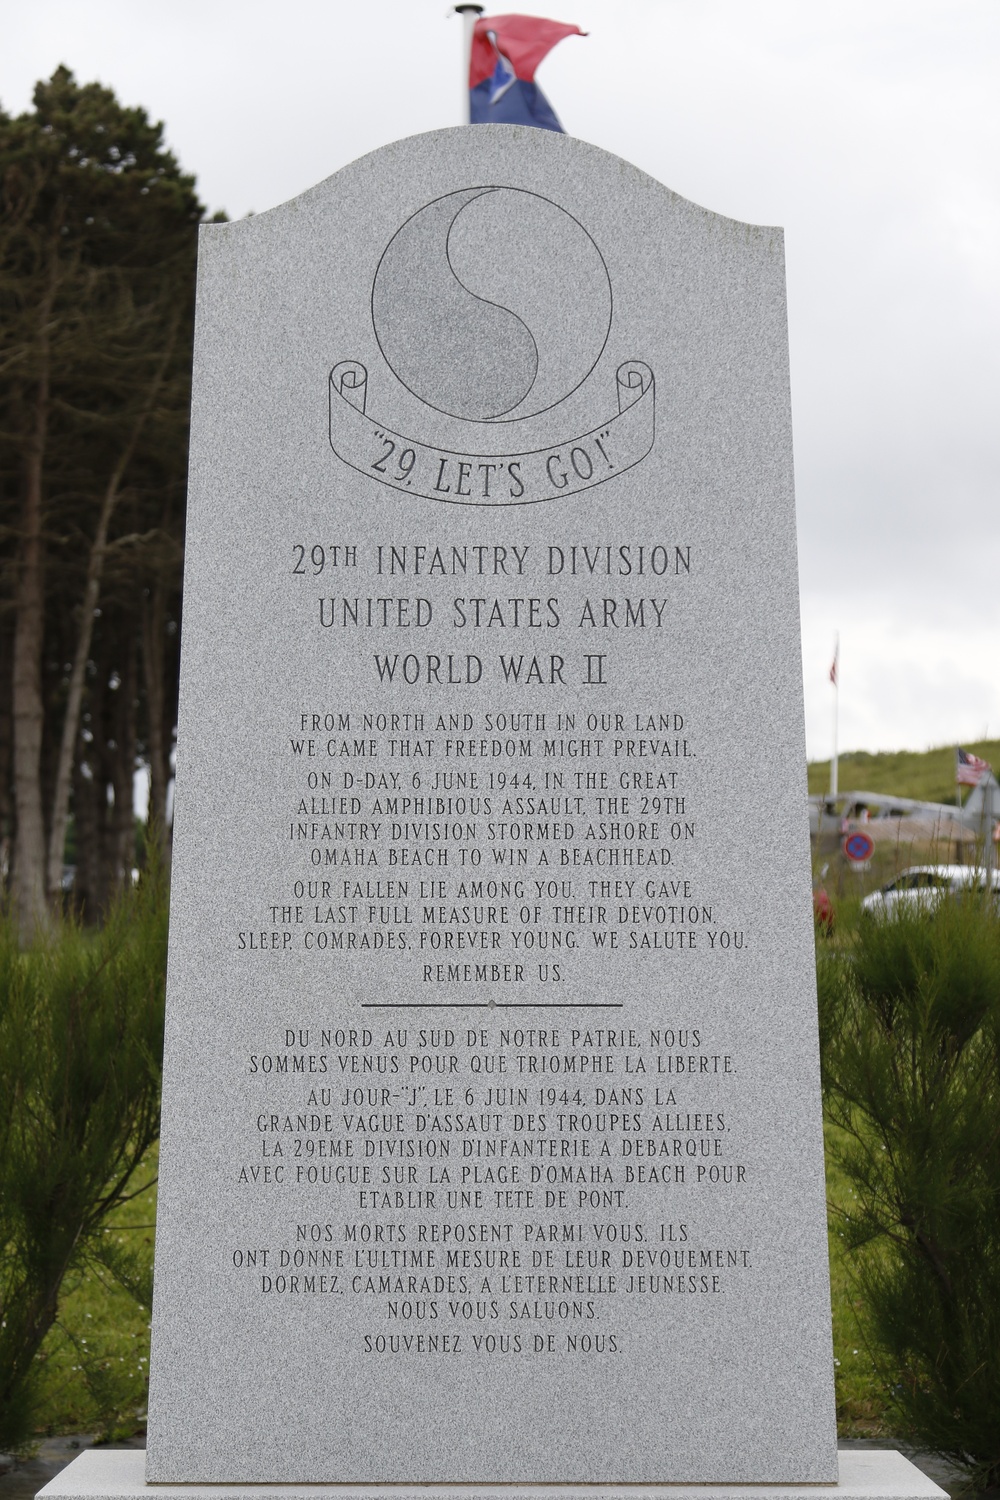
(527,478)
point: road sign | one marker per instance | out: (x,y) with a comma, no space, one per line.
(859,848)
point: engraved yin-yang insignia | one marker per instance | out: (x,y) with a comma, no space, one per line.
(491,304)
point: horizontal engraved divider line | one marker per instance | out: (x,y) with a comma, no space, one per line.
(489,1005)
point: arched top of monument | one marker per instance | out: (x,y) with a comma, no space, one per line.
(490,275)
(517,156)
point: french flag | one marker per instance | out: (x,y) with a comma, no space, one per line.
(506,50)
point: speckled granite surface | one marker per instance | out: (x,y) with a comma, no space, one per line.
(491,478)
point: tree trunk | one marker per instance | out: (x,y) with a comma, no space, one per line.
(153,612)
(26,675)
(123,774)
(6,743)
(86,882)
(91,594)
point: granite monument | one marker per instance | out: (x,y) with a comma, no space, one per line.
(492,1138)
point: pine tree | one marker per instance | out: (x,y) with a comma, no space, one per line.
(97,252)
(910,1032)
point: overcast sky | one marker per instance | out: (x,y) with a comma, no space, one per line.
(870,130)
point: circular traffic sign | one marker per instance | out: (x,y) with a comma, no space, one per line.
(859,847)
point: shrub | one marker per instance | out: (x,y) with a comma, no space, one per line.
(81,1033)
(910,1035)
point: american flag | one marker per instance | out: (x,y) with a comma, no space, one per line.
(969,769)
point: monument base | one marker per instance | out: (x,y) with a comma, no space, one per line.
(121,1475)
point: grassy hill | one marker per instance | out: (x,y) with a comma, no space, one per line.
(928,775)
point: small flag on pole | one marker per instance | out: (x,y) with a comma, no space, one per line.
(969,769)
(834,672)
(506,50)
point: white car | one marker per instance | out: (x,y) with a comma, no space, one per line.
(924,886)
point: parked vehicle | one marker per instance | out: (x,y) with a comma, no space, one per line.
(924,886)
(845,810)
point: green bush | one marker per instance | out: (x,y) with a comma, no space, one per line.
(910,1035)
(81,1034)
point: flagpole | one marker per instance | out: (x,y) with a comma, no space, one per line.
(470,15)
(835,674)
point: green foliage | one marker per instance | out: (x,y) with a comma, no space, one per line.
(863,1407)
(927,776)
(98,235)
(91,1372)
(81,1032)
(910,1033)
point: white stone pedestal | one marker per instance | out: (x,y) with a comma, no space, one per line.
(121,1475)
